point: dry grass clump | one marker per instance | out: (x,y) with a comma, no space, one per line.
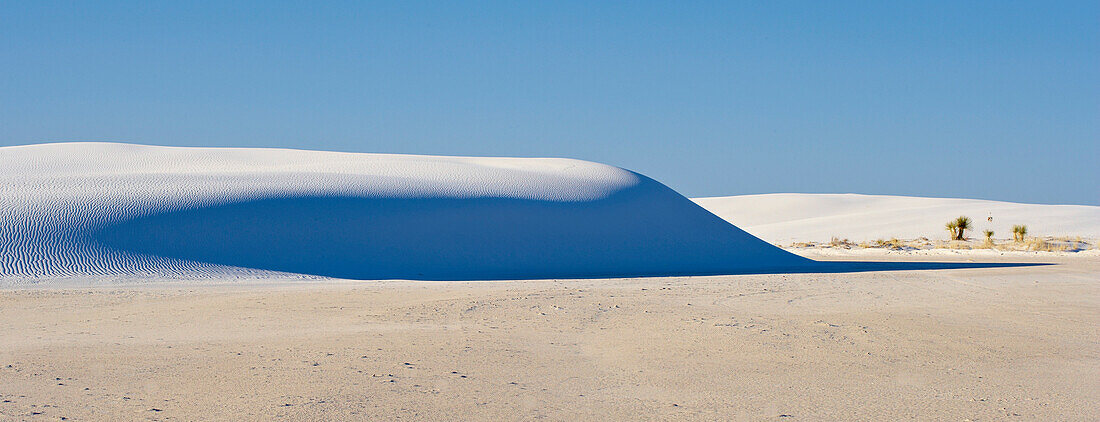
(988,244)
(1019,232)
(1040,244)
(1056,244)
(841,243)
(952,244)
(921,243)
(959,244)
(893,244)
(1033,243)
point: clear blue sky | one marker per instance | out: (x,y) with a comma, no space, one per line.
(996,100)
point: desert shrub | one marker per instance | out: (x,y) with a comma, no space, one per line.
(963,224)
(1052,244)
(1043,245)
(988,238)
(895,244)
(958,227)
(1069,244)
(841,243)
(1019,232)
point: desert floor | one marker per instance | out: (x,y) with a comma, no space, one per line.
(978,344)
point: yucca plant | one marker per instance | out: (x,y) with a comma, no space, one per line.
(1019,232)
(959,227)
(989,235)
(952,227)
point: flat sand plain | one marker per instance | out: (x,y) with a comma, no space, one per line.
(978,344)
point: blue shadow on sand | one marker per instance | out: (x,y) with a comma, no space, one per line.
(648,230)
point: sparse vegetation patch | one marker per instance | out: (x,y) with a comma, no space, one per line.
(958,227)
(1031,244)
(1019,232)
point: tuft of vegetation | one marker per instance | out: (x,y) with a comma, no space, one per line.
(1060,244)
(1019,232)
(988,238)
(892,244)
(958,227)
(841,243)
(1045,245)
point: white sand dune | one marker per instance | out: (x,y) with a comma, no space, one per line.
(103,209)
(788,217)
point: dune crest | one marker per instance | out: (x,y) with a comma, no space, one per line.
(101,209)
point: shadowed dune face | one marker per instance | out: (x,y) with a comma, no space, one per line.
(646,230)
(91,209)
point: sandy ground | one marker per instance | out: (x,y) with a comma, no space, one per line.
(977,344)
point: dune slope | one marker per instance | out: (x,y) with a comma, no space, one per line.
(86,209)
(788,217)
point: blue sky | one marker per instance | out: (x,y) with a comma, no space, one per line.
(996,100)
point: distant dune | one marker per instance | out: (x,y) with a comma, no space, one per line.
(104,209)
(789,217)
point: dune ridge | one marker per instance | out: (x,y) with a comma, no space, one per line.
(106,209)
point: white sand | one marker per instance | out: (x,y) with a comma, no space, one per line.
(797,217)
(74,210)
(215,342)
(973,344)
